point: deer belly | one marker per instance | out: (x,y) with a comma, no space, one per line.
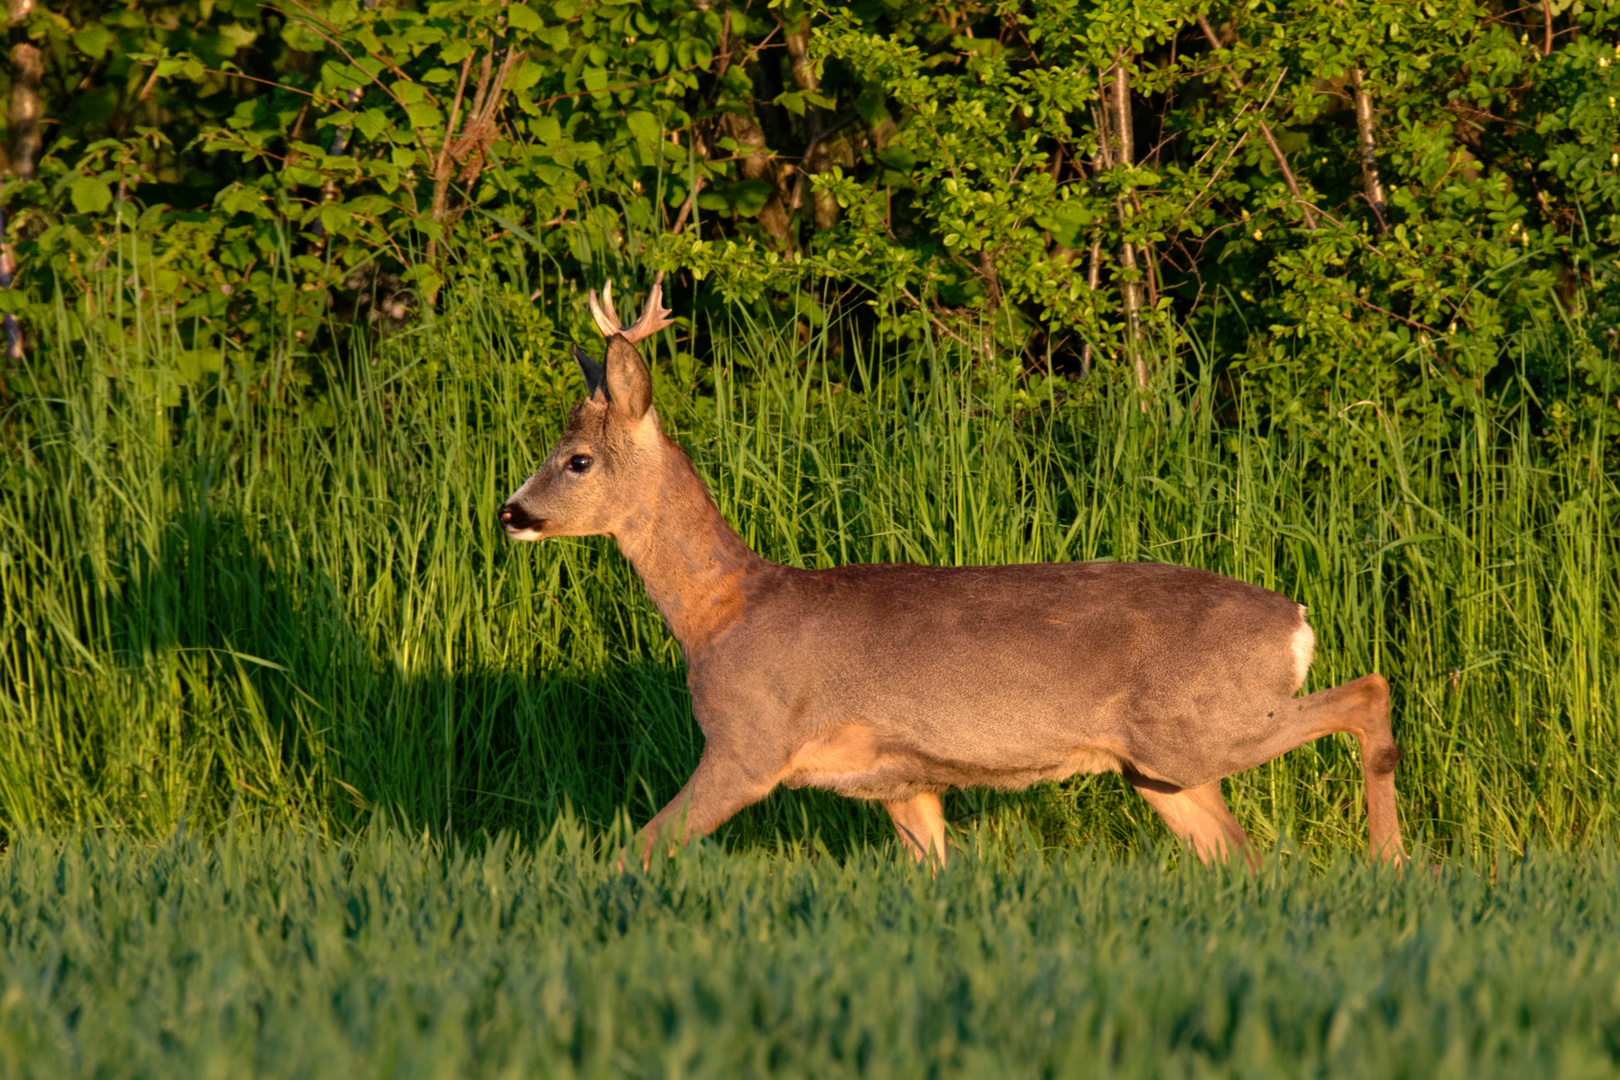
(858,761)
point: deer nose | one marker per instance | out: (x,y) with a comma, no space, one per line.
(515,519)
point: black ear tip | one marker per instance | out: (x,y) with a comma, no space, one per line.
(595,374)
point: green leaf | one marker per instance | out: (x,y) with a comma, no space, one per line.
(1066,221)
(522,17)
(427,279)
(897,158)
(371,123)
(546,129)
(750,197)
(238,199)
(424,115)
(194,363)
(525,76)
(334,219)
(93,41)
(644,127)
(91,195)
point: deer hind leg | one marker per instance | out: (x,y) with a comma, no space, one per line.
(1359,708)
(920,821)
(1199,816)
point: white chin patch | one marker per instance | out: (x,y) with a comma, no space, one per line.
(523,534)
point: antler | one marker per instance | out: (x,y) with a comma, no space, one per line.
(654,317)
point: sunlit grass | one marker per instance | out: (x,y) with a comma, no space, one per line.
(311,616)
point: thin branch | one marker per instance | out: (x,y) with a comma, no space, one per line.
(441,167)
(1265,128)
(420,139)
(810,148)
(266,82)
(309,20)
(686,207)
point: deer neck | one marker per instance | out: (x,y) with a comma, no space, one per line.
(692,562)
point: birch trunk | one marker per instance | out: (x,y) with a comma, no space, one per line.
(27,71)
(1118,109)
(1367,143)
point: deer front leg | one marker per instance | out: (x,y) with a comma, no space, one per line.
(920,821)
(718,788)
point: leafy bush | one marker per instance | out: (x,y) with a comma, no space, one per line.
(1324,195)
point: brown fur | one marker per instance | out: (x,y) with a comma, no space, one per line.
(898,682)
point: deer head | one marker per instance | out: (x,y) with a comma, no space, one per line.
(604,469)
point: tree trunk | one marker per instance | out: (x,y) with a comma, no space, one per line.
(757,164)
(1123,153)
(27,71)
(1367,143)
(1093,268)
(824,149)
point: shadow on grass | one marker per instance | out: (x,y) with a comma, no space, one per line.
(297,714)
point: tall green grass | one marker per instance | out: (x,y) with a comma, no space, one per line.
(276,953)
(231,606)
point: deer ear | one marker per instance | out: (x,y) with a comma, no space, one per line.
(628,382)
(594,373)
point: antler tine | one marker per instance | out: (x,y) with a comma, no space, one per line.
(608,326)
(607,305)
(654,317)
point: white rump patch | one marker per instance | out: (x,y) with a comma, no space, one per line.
(1303,647)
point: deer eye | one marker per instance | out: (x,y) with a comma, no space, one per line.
(579,463)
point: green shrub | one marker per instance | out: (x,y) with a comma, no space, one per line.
(274,177)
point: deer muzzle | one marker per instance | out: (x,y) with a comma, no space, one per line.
(519,523)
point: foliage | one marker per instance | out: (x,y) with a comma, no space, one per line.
(284,954)
(943,168)
(312,615)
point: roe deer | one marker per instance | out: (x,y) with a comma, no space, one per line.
(899,682)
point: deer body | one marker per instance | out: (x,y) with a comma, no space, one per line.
(899,682)
(891,680)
